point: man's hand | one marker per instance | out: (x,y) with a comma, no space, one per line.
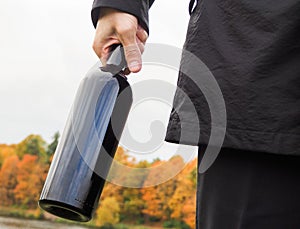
(115,27)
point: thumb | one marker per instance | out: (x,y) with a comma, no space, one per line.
(132,52)
(133,57)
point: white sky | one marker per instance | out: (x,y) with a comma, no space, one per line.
(45,50)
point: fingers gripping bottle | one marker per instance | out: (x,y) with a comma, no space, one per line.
(85,152)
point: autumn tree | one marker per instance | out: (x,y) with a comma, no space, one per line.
(183,201)
(6,151)
(122,174)
(8,180)
(168,195)
(158,196)
(118,171)
(125,174)
(108,212)
(133,202)
(30,178)
(115,176)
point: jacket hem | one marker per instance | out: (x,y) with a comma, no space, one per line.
(275,143)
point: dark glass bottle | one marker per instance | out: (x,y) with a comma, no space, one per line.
(88,144)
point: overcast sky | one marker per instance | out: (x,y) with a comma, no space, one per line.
(45,50)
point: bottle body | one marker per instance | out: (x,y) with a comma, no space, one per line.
(85,152)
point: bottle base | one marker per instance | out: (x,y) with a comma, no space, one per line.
(63,210)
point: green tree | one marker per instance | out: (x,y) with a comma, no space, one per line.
(33,145)
(53,145)
(133,205)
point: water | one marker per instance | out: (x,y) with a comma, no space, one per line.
(13,223)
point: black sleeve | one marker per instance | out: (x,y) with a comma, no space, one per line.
(138,8)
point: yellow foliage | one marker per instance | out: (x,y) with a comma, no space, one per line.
(6,151)
(108,212)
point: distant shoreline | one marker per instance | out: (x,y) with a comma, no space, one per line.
(20,215)
(37,215)
(10,222)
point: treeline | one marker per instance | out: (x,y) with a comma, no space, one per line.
(171,204)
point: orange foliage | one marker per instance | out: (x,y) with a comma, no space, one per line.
(183,202)
(168,194)
(158,196)
(30,181)
(8,180)
(22,173)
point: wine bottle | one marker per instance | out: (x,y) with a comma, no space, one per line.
(86,149)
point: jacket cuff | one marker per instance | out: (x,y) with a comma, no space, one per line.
(138,8)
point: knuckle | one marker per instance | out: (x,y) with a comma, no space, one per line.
(97,49)
(125,29)
(143,36)
(95,46)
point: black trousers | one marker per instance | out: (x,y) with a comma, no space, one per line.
(249,190)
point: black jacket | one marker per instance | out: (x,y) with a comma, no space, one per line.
(138,8)
(252,48)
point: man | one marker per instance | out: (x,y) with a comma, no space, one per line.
(252,47)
